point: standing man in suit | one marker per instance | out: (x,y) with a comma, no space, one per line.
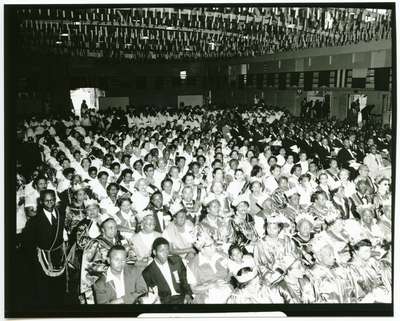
(121,283)
(346,157)
(324,153)
(303,107)
(43,238)
(168,273)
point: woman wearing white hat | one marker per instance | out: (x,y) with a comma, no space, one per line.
(141,198)
(272,246)
(180,233)
(250,289)
(240,228)
(302,238)
(372,278)
(331,281)
(143,240)
(293,286)
(207,272)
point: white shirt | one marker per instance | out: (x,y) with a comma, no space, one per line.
(49,215)
(119,285)
(166,271)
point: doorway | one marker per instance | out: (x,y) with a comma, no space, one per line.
(362,99)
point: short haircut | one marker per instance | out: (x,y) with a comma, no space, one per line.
(100,174)
(107,220)
(294,168)
(37,179)
(45,192)
(147,167)
(234,246)
(115,248)
(112,185)
(362,243)
(159,241)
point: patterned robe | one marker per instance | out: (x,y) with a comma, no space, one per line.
(94,263)
(285,292)
(332,284)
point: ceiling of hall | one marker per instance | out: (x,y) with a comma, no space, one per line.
(193,33)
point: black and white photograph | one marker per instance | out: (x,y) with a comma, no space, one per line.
(199,158)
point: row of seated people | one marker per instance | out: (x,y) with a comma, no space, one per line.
(132,186)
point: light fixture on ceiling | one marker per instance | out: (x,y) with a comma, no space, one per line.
(58,42)
(145,37)
(187,49)
(64,31)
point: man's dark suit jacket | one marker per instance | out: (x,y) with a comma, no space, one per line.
(166,213)
(39,232)
(134,287)
(344,157)
(153,276)
(323,155)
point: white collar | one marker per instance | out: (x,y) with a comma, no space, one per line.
(111,277)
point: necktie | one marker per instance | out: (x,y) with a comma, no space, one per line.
(54,221)
(377,160)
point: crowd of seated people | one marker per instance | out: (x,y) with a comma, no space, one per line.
(246,204)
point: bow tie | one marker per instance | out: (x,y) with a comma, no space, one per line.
(189,203)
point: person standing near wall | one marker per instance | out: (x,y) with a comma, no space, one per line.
(303,106)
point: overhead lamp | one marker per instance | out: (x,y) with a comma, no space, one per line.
(64,32)
(187,49)
(145,37)
(58,42)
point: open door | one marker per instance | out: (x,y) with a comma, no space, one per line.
(362,99)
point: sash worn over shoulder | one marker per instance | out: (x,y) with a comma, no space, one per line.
(53,261)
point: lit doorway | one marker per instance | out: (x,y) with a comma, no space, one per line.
(362,99)
(90,95)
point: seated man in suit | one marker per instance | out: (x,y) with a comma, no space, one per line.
(375,163)
(121,283)
(168,273)
(347,159)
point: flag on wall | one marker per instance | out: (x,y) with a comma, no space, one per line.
(341,78)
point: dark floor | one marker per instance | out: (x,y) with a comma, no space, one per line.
(24,289)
